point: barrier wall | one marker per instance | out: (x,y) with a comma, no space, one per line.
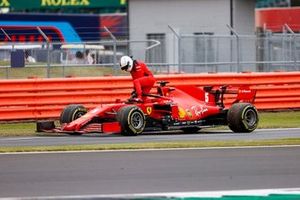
(34,99)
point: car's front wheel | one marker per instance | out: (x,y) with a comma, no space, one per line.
(72,112)
(242,117)
(132,120)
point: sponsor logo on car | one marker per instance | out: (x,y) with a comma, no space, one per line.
(199,110)
(149,110)
(181,112)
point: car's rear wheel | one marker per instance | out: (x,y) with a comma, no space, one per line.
(132,120)
(242,117)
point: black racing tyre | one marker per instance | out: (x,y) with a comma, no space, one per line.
(72,112)
(132,120)
(42,126)
(242,118)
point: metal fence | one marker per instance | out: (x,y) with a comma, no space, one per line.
(171,53)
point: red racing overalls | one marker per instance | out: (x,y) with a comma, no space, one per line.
(143,79)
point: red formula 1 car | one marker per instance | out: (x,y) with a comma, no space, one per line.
(186,108)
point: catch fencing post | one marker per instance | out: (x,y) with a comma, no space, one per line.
(294,44)
(114,47)
(179,47)
(48,50)
(6,35)
(237,47)
(12,48)
(156,43)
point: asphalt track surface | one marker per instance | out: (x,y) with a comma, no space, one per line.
(147,171)
(203,135)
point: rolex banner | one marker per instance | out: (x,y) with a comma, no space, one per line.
(29,4)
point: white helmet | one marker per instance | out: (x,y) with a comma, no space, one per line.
(126,63)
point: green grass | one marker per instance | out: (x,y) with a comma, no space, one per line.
(59,71)
(152,145)
(289,119)
(279,119)
(17,129)
(41,72)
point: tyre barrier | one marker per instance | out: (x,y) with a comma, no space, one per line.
(36,99)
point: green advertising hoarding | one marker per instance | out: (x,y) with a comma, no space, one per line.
(33,4)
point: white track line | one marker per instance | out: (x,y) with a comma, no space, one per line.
(212,194)
(162,149)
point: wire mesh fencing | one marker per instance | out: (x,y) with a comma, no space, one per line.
(164,53)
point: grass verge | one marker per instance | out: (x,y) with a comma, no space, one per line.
(152,145)
(289,119)
(267,120)
(58,71)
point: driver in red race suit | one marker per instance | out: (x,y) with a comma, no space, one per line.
(142,77)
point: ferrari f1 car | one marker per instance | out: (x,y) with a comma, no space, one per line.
(187,108)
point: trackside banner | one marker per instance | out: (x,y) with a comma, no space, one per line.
(21,4)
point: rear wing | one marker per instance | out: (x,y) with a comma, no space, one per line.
(216,94)
(245,94)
